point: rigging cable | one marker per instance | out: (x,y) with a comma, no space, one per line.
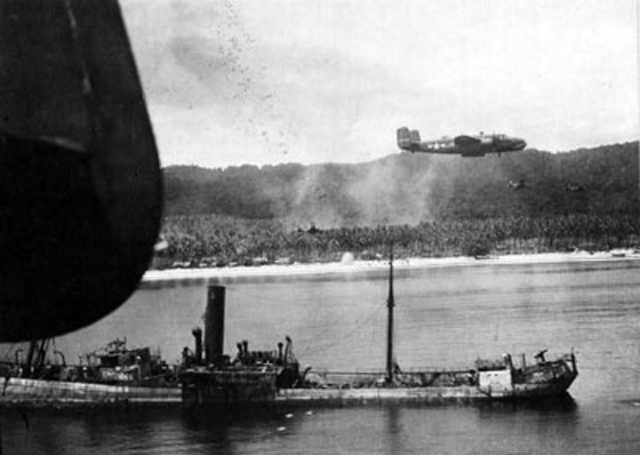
(359,326)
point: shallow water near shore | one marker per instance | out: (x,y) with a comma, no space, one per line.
(445,317)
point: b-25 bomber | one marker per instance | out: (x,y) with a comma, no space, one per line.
(464,145)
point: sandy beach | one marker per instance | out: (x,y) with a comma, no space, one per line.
(170,277)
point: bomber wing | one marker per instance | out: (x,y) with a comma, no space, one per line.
(469,145)
(466,141)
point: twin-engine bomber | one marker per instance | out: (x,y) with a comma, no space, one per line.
(464,145)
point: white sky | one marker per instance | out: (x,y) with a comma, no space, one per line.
(271,81)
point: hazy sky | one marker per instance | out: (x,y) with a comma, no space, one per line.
(271,81)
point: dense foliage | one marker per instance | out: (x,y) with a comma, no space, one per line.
(210,241)
(405,188)
(427,206)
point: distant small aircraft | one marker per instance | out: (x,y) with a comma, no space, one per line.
(517,185)
(464,145)
(572,187)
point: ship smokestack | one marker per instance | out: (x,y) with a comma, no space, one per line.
(197,334)
(240,355)
(214,324)
(288,351)
(280,356)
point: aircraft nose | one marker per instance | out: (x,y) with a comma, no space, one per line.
(519,143)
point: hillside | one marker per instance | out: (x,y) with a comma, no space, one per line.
(409,189)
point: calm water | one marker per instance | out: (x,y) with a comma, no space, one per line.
(445,317)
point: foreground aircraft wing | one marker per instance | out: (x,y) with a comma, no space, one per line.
(80,182)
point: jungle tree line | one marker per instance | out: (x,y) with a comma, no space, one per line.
(218,241)
(427,206)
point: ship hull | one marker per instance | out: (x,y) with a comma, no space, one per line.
(418,395)
(220,388)
(43,393)
(373,396)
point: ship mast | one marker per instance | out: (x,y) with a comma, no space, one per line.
(390,305)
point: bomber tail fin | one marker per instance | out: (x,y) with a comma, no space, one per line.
(407,139)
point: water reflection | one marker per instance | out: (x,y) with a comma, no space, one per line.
(392,429)
(445,317)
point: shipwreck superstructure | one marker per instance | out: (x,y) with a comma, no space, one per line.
(113,374)
(275,376)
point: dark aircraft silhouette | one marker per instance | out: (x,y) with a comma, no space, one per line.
(80,181)
(464,145)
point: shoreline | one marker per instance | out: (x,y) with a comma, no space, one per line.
(157,278)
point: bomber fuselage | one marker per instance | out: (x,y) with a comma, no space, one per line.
(464,145)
